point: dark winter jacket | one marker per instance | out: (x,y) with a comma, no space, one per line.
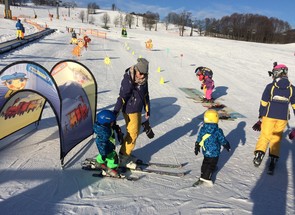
(132,97)
(22,29)
(74,35)
(105,139)
(276,98)
(212,144)
(19,25)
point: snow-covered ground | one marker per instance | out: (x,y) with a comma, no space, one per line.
(32,182)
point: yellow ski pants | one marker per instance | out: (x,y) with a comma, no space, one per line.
(133,123)
(271,134)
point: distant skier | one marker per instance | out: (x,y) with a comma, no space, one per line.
(19,29)
(124,32)
(105,128)
(210,139)
(74,38)
(273,115)
(205,75)
(86,41)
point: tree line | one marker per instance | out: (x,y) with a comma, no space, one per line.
(245,27)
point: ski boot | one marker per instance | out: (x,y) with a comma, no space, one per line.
(91,164)
(204,182)
(258,158)
(129,162)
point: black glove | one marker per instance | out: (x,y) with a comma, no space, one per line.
(292,134)
(120,134)
(197,148)
(147,129)
(227,146)
(257,126)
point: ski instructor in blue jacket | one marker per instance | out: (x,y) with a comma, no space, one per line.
(133,98)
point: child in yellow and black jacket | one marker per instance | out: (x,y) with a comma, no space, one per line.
(273,115)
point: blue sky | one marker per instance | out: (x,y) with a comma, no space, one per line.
(281,9)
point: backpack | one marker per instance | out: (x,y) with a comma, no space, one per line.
(207,72)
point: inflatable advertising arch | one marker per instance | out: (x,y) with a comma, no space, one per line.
(70,89)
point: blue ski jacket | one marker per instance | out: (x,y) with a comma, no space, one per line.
(105,139)
(19,25)
(276,98)
(212,144)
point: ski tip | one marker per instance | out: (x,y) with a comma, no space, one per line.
(184,164)
(186,172)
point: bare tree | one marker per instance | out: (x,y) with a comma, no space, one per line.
(92,7)
(200,24)
(137,20)
(114,8)
(166,22)
(157,18)
(106,19)
(129,20)
(149,20)
(82,15)
(117,20)
(121,20)
(91,20)
(184,17)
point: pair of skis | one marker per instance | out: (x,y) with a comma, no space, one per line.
(91,164)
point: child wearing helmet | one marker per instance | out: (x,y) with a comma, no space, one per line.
(274,115)
(104,128)
(210,139)
(205,76)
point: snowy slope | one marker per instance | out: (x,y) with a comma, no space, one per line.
(32,182)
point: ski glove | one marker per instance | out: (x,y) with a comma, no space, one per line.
(257,126)
(120,134)
(147,129)
(197,148)
(227,146)
(292,134)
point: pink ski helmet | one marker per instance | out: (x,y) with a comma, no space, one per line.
(280,69)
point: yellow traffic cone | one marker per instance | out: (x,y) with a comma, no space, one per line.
(159,69)
(162,80)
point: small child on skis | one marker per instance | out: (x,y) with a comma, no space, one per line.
(210,139)
(205,76)
(104,128)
